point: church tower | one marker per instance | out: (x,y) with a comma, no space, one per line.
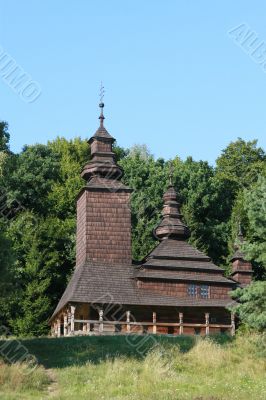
(103,206)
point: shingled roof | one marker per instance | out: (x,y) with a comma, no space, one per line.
(163,275)
(177,260)
(174,258)
(102,133)
(178,250)
(101,284)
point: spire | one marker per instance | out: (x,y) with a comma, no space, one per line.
(171,174)
(101,117)
(102,163)
(101,105)
(240,233)
(238,254)
(171,225)
(101,131)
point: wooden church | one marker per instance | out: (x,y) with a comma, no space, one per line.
(175,290)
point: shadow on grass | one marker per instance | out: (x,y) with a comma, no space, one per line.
(69,351)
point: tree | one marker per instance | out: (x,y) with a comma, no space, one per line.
(252,305)
(44,250)
(4,136)
(3,157)
(241,162)
(6,287)
(203,201)
(42,233)
(255,208)
(237,170)
(31,177)
(204,205)
(147,178)
(71,156)
(120,152)
(140,151)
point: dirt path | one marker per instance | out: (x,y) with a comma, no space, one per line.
(52,389)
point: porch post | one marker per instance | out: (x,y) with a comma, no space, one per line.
(207,322)
(84,327)
(101,321)
(181,328)
(68,322)
(65,324)
(58,327)
(128,321)
(233,326)
(88,325)
(54,332)
(154,319)
(72,317)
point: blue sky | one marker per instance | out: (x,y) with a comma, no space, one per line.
(174,79)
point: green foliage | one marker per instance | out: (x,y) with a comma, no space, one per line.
(255,207)
(43,181)
(44,249)
(34,173)
(240,163)
(252,305)
(6,258)
(250,209)
(147,178)
(204,205)
(238,169)
(3,157)
(120,153)
(204,201)
(72,156)
(4,136)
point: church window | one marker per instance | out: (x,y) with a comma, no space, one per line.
(204,291)
(192,290)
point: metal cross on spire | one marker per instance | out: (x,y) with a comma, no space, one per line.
(101,105)
(101,94)
(171,173)
(240,233)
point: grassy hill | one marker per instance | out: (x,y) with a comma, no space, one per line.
(134,367)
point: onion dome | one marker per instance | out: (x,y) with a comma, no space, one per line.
(171,225)
(102,164)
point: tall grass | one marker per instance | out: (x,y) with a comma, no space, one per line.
(208,370)
(22,380)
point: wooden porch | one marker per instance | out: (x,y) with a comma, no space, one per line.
(68,325)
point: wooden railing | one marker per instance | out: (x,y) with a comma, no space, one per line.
(116,327)
(71,326)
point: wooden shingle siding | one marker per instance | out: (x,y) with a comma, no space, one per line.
(104,228)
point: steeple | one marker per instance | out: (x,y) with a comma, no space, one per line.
(241,268)
(171,225)
(238,254)
(102,164)
(101,105)
(103,206)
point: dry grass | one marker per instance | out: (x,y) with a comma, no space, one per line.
(22,380)
(208,371)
